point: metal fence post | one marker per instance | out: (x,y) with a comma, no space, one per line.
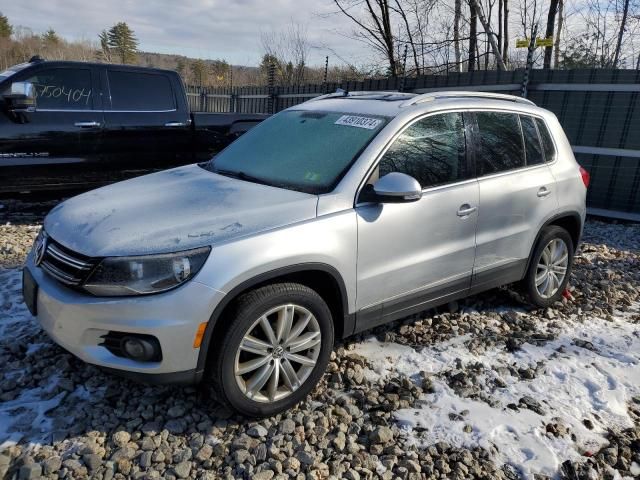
(527,72)
(203,101)
(271,78)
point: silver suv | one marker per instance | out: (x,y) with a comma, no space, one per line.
(331,217)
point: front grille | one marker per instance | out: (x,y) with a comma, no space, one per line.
(66,266)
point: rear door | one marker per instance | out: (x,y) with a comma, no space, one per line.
(517,195)
(147,124)
(56,143)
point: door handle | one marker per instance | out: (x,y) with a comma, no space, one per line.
(543,192)
(175,124)
(466,210)
(87,124)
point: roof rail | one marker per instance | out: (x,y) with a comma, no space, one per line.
(339,93)
(430,96)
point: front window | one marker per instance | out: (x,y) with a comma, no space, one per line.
(301,150)
(63,89)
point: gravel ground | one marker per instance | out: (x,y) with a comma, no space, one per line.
(374,415)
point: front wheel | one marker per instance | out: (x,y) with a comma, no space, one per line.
(275,349)
(549,267)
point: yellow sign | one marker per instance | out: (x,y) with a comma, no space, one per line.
(524,43)
(544,42)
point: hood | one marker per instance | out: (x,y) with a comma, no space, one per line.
(177,209)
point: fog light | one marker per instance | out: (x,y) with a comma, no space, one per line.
(139,349)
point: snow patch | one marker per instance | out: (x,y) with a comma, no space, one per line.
(577,383)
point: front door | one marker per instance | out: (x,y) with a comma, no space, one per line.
(412,255)
(57,143)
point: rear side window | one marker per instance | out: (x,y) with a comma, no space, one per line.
(432,151)
(500,147)
(547,142)
(62,89)
(133,91)
(531,141)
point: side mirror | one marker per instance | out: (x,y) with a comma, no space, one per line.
(396,187)
(21,96)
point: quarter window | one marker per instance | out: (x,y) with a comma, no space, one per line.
(547,143)
(531,141)
(62,89)
(501,147)
(432,150)
(134,91)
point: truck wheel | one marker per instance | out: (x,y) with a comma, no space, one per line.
(549,267)
(274,351)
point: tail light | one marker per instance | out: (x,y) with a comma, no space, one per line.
(586,178)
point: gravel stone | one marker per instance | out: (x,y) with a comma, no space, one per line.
(108,428)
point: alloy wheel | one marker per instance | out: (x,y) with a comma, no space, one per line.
(552,268)
(277,353)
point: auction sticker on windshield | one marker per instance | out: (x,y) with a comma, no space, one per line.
(360,122)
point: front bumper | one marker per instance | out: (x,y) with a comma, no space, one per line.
(76,321)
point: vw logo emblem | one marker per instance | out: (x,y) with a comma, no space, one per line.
(40,249)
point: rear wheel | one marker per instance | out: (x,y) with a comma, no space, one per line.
(549,267)
(274,351)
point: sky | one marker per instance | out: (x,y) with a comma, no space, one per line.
(224,29)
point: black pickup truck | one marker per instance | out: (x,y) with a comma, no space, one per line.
(78,125)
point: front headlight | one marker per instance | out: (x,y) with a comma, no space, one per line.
(119,276)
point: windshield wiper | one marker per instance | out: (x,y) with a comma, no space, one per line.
(241,176)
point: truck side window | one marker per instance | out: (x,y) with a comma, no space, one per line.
(62,89)
(432,151)
(133,91)
(501,146)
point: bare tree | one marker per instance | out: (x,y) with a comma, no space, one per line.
(487,29)
(373,27)
(473,37)
(505,31)
(625,12)
(551,21)
(456,33)
(288,51)
(560,15)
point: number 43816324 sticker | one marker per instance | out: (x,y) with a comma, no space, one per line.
(360,122)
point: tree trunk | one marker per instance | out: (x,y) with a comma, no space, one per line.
(500,25)
(473,36)
(505,32)
(625,12)
(556,51)
(551,22)
(490,37)
(456,33)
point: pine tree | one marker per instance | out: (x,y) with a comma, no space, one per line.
(122,43)
(199,72)
(50,37)
(5,27)
(105,52)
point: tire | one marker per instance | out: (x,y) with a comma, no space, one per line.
(237,389)
(538,292)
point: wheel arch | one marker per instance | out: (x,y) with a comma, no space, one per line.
(323,278)
(570,221)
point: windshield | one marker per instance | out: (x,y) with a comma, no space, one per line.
(301,150)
